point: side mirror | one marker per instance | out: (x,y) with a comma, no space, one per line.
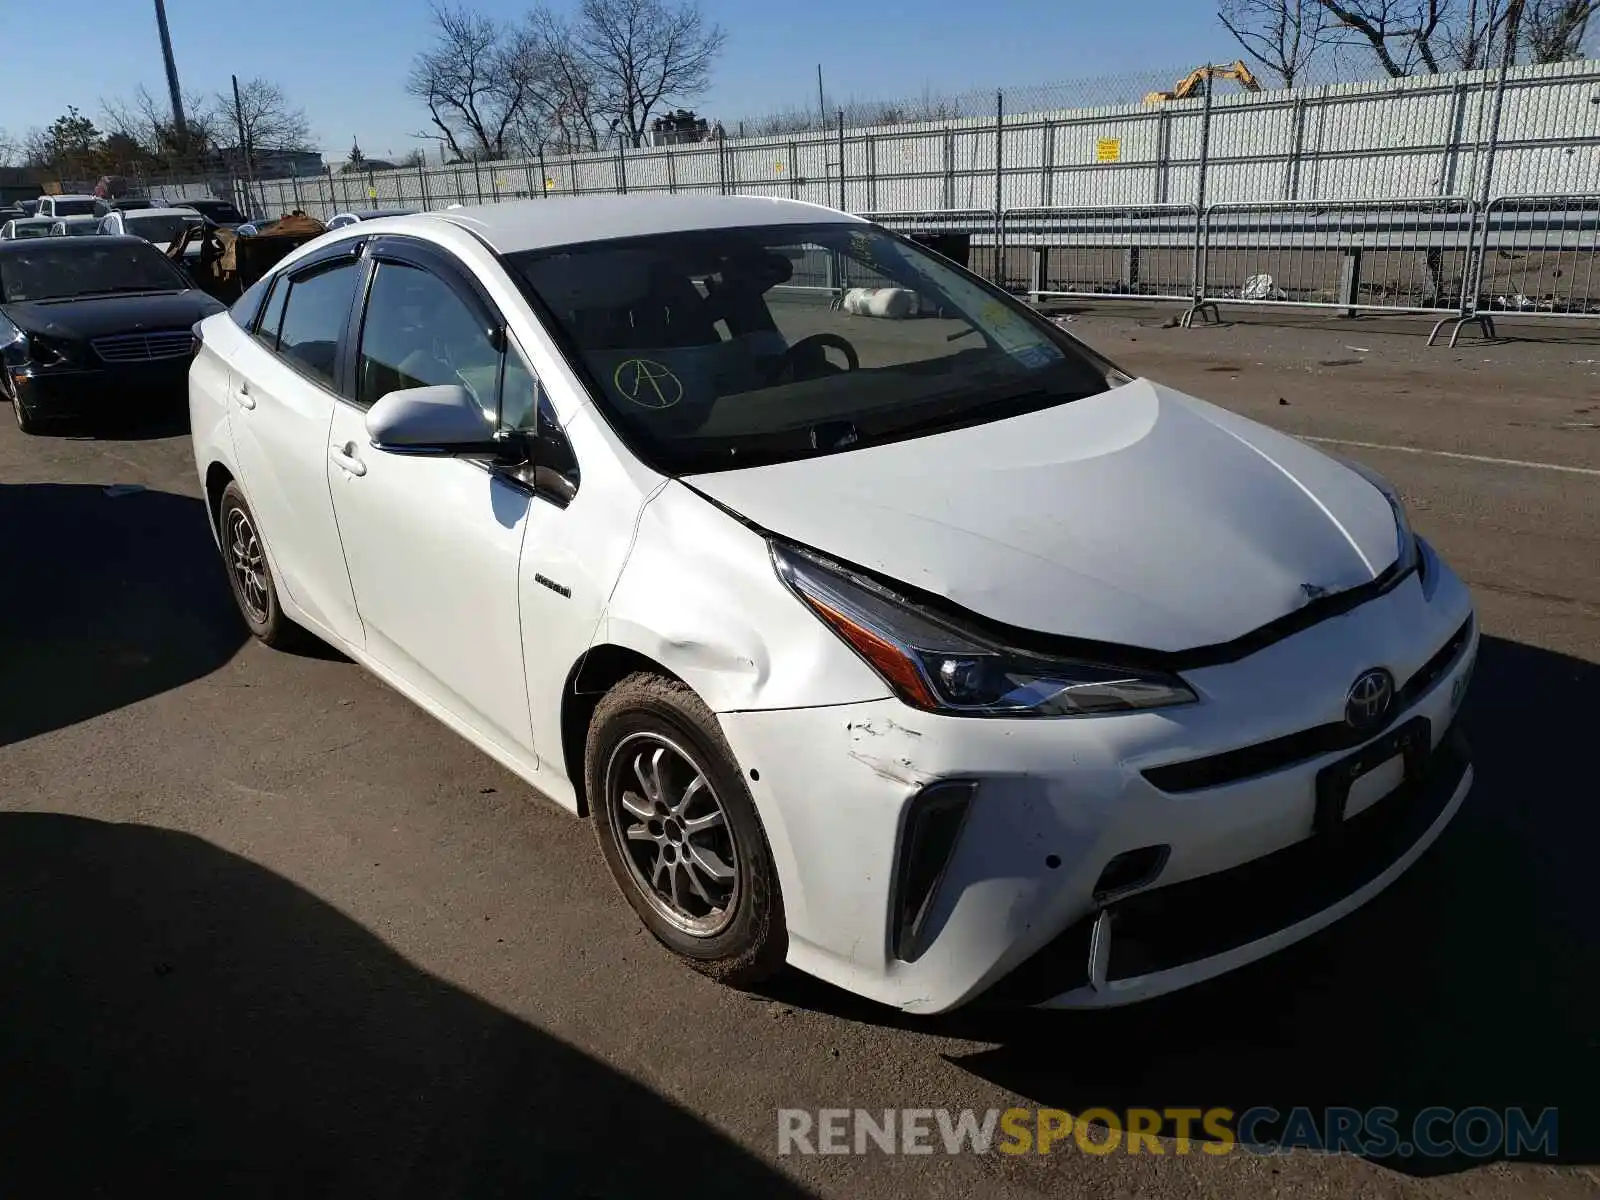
(443,420)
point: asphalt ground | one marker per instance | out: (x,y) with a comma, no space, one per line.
(266,929)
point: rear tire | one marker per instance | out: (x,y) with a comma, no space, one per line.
(680,832)
(244,557)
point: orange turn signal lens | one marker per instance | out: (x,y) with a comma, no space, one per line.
(888,659)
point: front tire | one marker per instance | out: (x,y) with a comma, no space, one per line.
(680,832)
(244,556)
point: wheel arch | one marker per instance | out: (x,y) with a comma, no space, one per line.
(596,672)
(218,477)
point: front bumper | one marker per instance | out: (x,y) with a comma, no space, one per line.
(1055,801)
(98,391)
(1168,938)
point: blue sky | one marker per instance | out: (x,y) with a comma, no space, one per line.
(344,61)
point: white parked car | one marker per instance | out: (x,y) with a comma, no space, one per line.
(75,227)
(65,206)
(161,226)
(340,220)
(26,227)
(935,656)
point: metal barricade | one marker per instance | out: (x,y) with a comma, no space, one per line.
(967,235)
(1536,256)
(1408,255)
(1106,252)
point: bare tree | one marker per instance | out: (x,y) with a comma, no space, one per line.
(1476,33)
(10,149)
(1284,36)
(1399,33)
(147,122)
(270,122)
(475,81)
(562,101)
(642,54)
(1556,30)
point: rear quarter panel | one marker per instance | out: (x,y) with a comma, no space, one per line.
(210,382)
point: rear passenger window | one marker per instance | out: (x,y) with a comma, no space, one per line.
(267,331)
(314,317)
(244,309)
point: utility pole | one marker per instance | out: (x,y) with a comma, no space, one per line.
(180,127)
(245,148)
(822,107)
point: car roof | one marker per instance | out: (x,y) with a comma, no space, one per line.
(564,220)
(142,213)
(78,217)
(36,220)
(74,245)
(70,196)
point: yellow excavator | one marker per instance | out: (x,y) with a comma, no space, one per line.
(1189,85)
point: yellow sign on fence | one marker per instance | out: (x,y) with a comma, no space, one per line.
(1108,150)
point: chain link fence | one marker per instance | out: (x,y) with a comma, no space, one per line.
(1454,194)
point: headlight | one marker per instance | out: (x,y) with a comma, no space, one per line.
(51,352)
(938,667)
(1407,555)
(13,342)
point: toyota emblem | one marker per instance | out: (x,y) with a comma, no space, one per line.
(1369,699)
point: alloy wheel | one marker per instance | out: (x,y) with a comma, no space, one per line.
(248,564)
(671,830)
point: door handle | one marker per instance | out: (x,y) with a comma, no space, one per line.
(345,456)
(246,400)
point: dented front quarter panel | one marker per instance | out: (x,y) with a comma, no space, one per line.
(699,595)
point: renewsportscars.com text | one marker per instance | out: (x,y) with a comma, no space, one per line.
(1375,1132)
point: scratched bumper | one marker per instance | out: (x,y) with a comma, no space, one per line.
(1056,800)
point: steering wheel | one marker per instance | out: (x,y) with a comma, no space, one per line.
(811,348)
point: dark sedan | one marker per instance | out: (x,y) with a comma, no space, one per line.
(219,212)
(93,326)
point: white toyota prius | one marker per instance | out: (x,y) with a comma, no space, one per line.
(881,627)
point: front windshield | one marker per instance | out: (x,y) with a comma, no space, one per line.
(73,208)
(58,269)
(159,227)
(727,348)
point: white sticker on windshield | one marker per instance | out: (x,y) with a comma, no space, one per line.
(1007,328)
(1013,334)
(1041,355)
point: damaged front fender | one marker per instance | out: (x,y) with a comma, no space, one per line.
(699,596)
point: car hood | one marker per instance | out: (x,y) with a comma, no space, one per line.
(96,316)
(1140,516)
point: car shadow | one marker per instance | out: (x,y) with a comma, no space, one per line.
(1474,981)
(181,1021)
(147,423)
(110,597)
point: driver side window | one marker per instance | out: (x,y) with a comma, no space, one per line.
(419,333)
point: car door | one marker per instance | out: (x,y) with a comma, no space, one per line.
(285,378)
(432,543)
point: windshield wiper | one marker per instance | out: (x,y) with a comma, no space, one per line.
(968,414)
(125,289)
